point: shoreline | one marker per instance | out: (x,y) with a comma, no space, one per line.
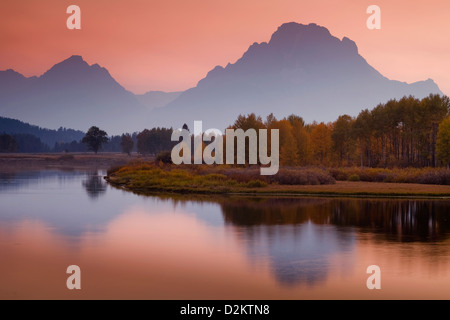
(11,163)
(151,179)
(367,190)
(19,162)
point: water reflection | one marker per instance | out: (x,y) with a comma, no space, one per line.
(215,247)
(392,220)
(294,234)
(60,200)
(13,181)
(301,237)
(396,220)
(94,185)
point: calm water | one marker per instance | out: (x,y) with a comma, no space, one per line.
(137,247)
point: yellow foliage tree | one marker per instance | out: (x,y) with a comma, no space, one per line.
(321,142)
(443,141)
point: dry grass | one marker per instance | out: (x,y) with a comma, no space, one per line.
(362,188)
(149,178)
(405,175)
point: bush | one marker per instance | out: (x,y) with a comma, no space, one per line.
(113,170)
(164,157)
(353,177)
(256,184)
(405,175)
(302,176)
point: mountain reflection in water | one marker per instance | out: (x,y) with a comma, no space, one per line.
(228,246)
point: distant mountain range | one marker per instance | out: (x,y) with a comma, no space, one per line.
(303,69)
(47,136)
(76,95)
(157,99)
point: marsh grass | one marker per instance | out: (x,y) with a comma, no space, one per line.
(150,177)
(437,176)
(145,176)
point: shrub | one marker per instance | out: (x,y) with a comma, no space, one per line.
(404,175)
(216,177)
(302,177)
(164,157)
(112,170)
(353,177)
(256,184)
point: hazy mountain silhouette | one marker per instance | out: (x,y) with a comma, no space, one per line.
(71,94)
(157,99)
(303,69)
(47,136)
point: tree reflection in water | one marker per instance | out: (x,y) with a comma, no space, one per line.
(393,220)
(301,235)
(94,185)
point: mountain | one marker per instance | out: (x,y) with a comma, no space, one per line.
(71,94)
(47,136)
(303,69)
(157,99)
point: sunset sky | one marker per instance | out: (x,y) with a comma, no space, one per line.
(170,45)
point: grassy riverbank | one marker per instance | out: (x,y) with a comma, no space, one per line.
(134,174)
(148,178)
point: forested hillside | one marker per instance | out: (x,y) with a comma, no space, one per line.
(47,136)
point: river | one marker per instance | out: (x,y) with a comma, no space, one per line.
(130,246)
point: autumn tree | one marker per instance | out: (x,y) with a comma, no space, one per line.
(443,142)
(401,133)
(95,138)
(362,129)
(343,139)
(127,143)
(321,142)
(250,121)
(288,145)
(437,109)
(301,137)
(270,120)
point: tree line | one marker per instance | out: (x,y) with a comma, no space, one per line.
(146,142)
(399,133)
(408,132)
(47,136)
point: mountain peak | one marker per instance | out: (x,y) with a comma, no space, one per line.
(303,70)
(73,65)
(297,32)
(10,73)
(74,60)
(312,42)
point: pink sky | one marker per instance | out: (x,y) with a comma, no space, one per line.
(170,45)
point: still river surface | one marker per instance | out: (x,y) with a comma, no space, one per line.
(208,247)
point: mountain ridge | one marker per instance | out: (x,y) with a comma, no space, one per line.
(47,136)
(302,69)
